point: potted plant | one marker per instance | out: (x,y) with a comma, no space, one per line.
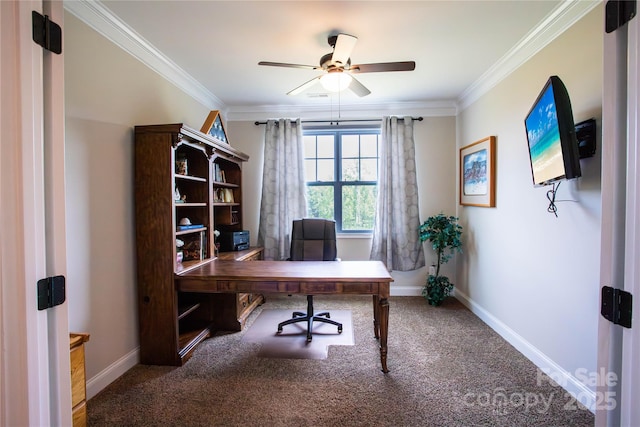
(444,233)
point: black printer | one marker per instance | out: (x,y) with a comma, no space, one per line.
(234,240)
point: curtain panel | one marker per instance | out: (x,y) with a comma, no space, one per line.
(395,234)
(283,187)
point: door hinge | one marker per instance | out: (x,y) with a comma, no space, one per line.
(616,306)
(51,292)
(46,33)
(618,13)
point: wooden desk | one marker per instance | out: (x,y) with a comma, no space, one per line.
(299,277)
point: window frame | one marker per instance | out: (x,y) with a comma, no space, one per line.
(338,184)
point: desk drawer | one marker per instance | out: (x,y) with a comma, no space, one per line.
(243,302)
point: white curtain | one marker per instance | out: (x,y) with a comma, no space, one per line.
(395,232)
(283,187)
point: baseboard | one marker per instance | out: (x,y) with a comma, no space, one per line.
(97,383)
(406,291)
(569,382)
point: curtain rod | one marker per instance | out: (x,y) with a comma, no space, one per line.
(419,119)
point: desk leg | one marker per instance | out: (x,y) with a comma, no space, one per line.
(376,316)
(383,308)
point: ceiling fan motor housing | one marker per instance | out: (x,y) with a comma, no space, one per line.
(327,63)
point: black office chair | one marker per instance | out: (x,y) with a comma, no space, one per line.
(312,239)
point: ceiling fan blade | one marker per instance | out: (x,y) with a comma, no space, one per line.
(358,88)
(383,67)
(343,48)
(304,86)
(281,64)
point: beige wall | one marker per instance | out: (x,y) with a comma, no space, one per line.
(532,276)
(107,93)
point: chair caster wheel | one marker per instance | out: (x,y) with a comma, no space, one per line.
(340,330)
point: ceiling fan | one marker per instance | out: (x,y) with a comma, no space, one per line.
(338,69)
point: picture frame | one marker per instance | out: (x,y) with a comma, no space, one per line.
(214,127)
(478,173)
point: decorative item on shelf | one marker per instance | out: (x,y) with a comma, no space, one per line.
(177,197)
(228,195)
(192,250)
(216,244)
(185,224)
(444,233)
(218,195)
(179,254)
(214,127)
(181,164)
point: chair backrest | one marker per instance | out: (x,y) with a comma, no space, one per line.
(313,239)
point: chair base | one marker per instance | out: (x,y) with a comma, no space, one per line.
(309,317)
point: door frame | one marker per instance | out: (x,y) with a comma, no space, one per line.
(619,348)
(34,377)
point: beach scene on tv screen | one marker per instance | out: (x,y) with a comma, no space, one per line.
(544,139)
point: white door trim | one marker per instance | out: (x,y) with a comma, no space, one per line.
(630,387)
(55,220)
(28,379)
(618,347)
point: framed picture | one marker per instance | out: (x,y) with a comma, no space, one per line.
(478,173)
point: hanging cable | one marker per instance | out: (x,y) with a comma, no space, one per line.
(551,195)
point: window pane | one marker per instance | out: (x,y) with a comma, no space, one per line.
(310,170)
(309,145)
(325,170)
(350,170)
(350,145)
(369,170)
(358,207)
(320,201)
(369,145)
(326,146)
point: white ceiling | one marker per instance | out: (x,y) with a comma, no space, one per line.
(214,47)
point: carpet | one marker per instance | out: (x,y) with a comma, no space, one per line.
(291,343)
(447,368)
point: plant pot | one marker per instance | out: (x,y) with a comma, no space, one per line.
(437,289)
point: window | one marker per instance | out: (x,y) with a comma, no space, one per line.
(341,168)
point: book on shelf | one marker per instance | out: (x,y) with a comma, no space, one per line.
(189,227)
(217,173)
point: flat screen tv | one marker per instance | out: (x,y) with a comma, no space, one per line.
(551,134)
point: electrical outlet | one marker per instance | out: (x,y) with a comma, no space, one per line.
(432,270)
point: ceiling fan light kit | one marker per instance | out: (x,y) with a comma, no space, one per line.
(337,68)
(335,82)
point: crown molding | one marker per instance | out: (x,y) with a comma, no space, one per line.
(555,23)
(98,17)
